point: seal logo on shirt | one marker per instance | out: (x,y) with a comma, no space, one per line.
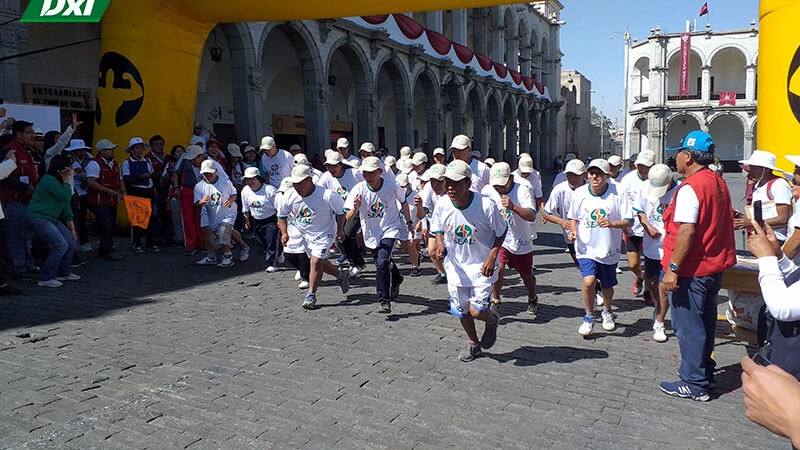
(658,213)
(595,215)
(342,192)
(507,216)
(463,235)
(215,199)
(257,204)
(274,168)
(376,210)
(305,215)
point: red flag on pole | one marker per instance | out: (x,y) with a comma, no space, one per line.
(704,9)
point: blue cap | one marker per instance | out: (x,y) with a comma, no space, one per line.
(696,140)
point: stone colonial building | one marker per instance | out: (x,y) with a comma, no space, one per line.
(403,79)
(576,133)
(721,64)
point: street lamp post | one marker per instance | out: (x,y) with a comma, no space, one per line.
(627,37)
(600,120)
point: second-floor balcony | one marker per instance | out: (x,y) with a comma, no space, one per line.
(675,96)
(641,99)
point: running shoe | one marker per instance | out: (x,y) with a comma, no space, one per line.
(207,261)
(70,277)
(472,351)
(494,306)
(138,250)
(272,269)
(297,276)
(244,255)
(619,271)
(155,249)
(227,261)
(303,285)
(682,389)
(440,279)
(310,301)
(415,272)
(490,333)
(608,321)
(343,280)
(533,305)
(586,326)
(86,248)
(385,307)
(356,271)
(395,288)
(638,287)
(50,283)
(341,259)
(659,332)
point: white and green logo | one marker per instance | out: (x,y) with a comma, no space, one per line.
(65,11)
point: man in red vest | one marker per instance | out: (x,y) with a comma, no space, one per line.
(105,191)
(698,246)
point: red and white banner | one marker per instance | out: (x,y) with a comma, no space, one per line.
(686,43)
(727,98)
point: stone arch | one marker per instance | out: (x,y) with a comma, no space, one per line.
(544,72)
(248,81)
(475,112)
(524,54)
(728,131)
(510,149)
(397,76)
(426,100)
(494,109)
(509,34)
(728,70)
(696,62)
(523,126)
(697,51)
(731,45)
(454,107)
(346,57)
(678,126)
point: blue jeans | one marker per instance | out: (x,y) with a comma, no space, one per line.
(62,245)
(694,319)
(386,272)
(266,231)
(18,237)
(106,222)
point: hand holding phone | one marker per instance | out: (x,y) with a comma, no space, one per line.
(758,213)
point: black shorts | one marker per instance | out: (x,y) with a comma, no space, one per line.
(633,244)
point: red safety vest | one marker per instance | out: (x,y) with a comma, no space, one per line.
(158,169)
(26,167)
(714,248)
(109,178)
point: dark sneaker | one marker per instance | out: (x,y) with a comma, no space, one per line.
(533,306)
(494,307)
(113,256)
(138,250)
(440,279)
(682,389)
(343,280)
(310,301)
(472,351)
(395,289)
(638,287)
(385,307)
(490,333)
(415,272)
(341,259)
(191,251)
(648,299)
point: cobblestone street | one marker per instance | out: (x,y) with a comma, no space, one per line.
(155,352)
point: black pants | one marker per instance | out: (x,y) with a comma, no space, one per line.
(267,234)
(80,209)
(163,232)
(139,233)
(350,245)
(387,274)
(106,223)
(300,262)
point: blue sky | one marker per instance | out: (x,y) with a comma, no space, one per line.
(587,48)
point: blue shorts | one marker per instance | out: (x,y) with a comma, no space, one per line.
(653,269)
(606,273)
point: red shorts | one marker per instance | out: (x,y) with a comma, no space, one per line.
(521,263)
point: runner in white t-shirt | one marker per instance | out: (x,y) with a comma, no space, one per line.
(516,205)
(598,215)
(469,232)
(216,196)
(301,158)
(375,200)
(792,246)
(425,204)
(631,186)
(260,214)
(558,204)
(293,250)
(461,148)
(343,147)
(411,244)
(275,164)
(341,178)
(650,207)
(319,216)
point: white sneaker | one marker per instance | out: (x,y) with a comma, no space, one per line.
(355,271)
(227,261)
(586,327)
(600,301)
(608,321)
(297,276)
(207,261)
(245,253)
(50,283)
(70,277)
(659,332)
(271,269)
(619,271)
(281,259)
(303,285)
(86,248)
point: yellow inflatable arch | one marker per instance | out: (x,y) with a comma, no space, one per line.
(142,40)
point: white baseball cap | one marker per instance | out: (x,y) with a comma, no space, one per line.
(332,158)
(500,174)
(286,184)
(405,152)
(439,151)
(368,147)
(294,147)
(794,159)
(570,156)
(646,158)
(575,166)
(371,164)
(196,140)
(251,172)
(136,141)
(419,158)
(301,158)
(407,165)
(208,166)
(300,173)
(525,164)
(105,144)
(659,181)
(390,161)
(601,164)
(615,160)
(342,143)
(234,150)
(458,170)
(490,162)
(193,152)
(249,148)
(402,180)
(760,158)
(436,172)
(461,142)
(267,143)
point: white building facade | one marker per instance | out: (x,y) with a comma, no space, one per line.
(720,62)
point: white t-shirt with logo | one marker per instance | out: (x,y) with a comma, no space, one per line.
(295,244)
(429,200)
(214,212)
(379,212)
(480,175)
(519,237)
(778,191)
(341,185)
(631,186)
(654,212)
(559,178)
(469,235)
(315,215)
(261,203)
(593,242)
(559,202)
(533,179)
(412,210)
(277,167)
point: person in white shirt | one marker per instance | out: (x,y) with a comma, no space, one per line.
(375,200)
(301,158)
(293,250)
(341,178)
(792,246)
(260,214)
(469,232)
(527,172)
(631,166)
(597,215)
(615,161)
(343,147)
(461,148)
(216,198)
(275,164)
(425,204)
(419,164)
(770,189)
(412,243)
(562,176)
(516,206)
(405,153)
(631,186)
(489,162)
(439,156)
(649,208)
(319,216)
(558,204)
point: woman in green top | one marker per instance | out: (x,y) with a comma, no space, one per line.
(49,206)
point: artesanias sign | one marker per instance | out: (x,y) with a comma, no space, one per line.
(67,98)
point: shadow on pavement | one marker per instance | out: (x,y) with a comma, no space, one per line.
(531,356)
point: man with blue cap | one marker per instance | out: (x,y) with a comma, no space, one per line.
(698,246)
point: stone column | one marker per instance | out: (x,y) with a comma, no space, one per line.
(536,133)
(706,85)
(497,143)
(434,119)
(552,131)
(655,134)
(524,134)
(248,99)
(512,52)
(366,117)
(750,86)
(12,36)
(749,144)
(317,100)
(510,150)
(405,125)
(459,113)
(479,25)
(497,39)
(460,26)
(525,61)
(433,20)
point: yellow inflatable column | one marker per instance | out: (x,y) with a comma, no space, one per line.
(779,79)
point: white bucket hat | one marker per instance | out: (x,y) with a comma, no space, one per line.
(794,159)
(760,158)
(77,144)
(135,141)
(105,144)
